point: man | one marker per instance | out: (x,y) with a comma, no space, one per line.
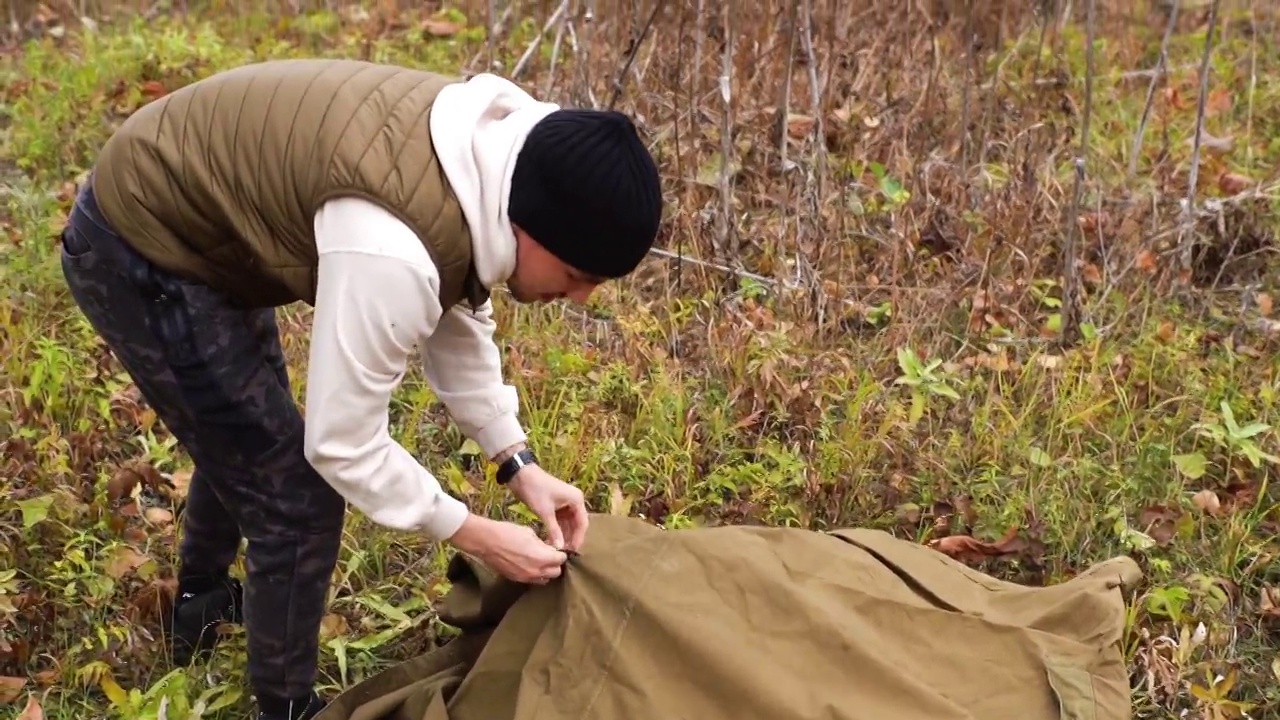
(392,200)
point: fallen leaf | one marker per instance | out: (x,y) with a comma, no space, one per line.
(799,126)
(152,601)
(439,27)
(967,548)
(157,516)
(123,560)
(32,711)
(1265,304)
(1160,523)
(333,625)
(1165,332)
(11,689)
(1269,603)
(1218,102)
(1208,501)
(1146,261)
(153,89)
(181,482)
(1233,183)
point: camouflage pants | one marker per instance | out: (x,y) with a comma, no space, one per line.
(216,377)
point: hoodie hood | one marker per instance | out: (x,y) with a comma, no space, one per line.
(478,128)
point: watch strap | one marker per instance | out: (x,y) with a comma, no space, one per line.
(512,465)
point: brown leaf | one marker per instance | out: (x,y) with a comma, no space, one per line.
(799,126)
(153,89)
(1218,102)
(1233,183)
(152,601)
(1208,501)
(32,711)
(333,625)
(439,27)
(969,549)
(157,516)
(963,547)
(1269,603)
(123,560)
(1265,304)
(1146,261)
(1160,522)
(11,689)
(181,481)
(1166,332)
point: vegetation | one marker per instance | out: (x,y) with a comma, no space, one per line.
(945,292)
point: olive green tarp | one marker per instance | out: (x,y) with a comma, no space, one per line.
(737,623)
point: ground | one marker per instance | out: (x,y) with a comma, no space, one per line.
(869,325)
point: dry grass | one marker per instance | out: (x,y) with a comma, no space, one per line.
(909,281)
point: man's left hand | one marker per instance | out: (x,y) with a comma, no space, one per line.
(558,504)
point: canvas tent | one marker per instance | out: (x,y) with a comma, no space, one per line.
(738,623)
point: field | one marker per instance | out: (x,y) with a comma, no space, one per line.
(959,291)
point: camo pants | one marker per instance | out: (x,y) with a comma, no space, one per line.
(216,377)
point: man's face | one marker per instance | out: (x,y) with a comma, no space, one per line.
(542,277)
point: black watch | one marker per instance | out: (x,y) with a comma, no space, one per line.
(513,464)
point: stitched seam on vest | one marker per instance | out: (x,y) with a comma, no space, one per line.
(168,177)
(356,111)
(208,133)
(373,139)
(408,134)
(288,142)
(328,164)
(263,131)
(187,221)
(445,190)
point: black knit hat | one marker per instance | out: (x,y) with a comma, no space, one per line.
(586,188)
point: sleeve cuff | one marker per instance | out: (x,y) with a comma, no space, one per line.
(500,434)
(448,517)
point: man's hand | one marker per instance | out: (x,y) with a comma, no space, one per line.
(558,504)
(513,551)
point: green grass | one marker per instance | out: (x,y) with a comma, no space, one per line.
(694,401)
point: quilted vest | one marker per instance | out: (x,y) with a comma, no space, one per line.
(220,180)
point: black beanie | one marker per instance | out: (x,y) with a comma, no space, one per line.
(586,188)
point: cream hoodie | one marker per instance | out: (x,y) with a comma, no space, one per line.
(377,300)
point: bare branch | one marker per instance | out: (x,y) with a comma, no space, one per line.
(1187,240)
(1156,76)
(1071,303)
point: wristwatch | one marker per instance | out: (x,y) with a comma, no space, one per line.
(513,464)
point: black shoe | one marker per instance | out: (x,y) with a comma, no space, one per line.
(197,612)
(303,709)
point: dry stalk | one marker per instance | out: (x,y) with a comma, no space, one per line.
(637,43)
(1071,303)
(815,98)
(784,105)
(1187,241)
(536,43)
(727,239)
(1156,76)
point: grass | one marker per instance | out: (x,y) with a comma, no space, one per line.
(870,338)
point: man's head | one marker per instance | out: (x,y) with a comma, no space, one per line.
(585,202)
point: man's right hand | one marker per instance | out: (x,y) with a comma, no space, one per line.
(513,551)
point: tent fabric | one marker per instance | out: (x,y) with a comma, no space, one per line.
(737,622)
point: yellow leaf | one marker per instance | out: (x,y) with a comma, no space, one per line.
(619,503)
(113,691)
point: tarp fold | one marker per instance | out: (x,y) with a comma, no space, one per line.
(731,623)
